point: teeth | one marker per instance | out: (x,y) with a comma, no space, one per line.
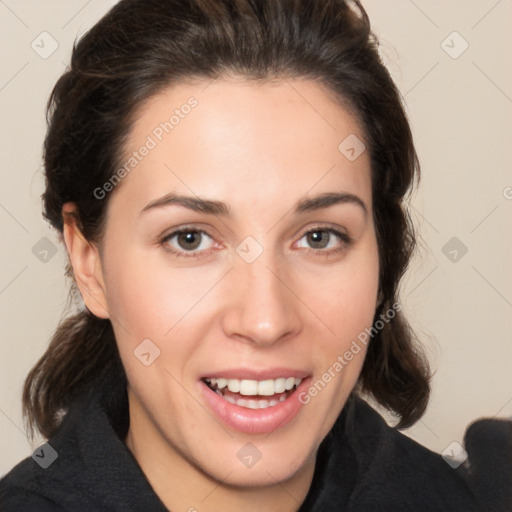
(290,382)
(234,385)
(254,404)
(249,387)
(222,383)
(267,387)
(280,385)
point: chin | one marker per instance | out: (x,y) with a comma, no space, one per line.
(256,463)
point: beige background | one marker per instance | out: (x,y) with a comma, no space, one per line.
(460,107)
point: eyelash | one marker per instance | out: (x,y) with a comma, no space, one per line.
(346,240)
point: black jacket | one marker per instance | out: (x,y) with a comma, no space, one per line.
(362,465)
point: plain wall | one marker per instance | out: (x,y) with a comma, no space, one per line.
(460,109)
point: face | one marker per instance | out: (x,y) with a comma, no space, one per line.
(239,262)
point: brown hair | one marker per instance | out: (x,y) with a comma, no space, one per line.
(141,46)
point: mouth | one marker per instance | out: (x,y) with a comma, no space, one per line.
(255,406)
(254,394)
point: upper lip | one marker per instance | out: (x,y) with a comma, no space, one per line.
(253,374)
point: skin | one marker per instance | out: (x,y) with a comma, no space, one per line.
(260,148)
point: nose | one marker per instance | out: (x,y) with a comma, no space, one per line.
(262,308)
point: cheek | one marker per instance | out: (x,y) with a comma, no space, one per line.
(149,302)
(353,303)
(344,298)
(345,305)
(149,298)
(136,300)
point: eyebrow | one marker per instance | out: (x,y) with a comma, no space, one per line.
(329,199)
(212,207)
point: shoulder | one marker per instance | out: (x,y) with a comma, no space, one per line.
(15,496)
(396,469)
(46,480)
(39,482)
(21,489)
(86,465)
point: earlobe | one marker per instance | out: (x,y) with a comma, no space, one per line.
(86,264)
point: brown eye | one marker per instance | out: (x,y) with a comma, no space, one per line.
(318,239)
(189,240)
(324,240)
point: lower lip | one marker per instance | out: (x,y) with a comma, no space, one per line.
(254,421)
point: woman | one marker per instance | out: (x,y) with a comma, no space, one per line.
(228,177)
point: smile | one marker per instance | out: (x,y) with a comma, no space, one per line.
(250,393)
(267,402)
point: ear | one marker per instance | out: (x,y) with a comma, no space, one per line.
(85,260)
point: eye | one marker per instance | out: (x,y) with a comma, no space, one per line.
(188,242)
(322,239)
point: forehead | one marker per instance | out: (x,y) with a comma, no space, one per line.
(244,143)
